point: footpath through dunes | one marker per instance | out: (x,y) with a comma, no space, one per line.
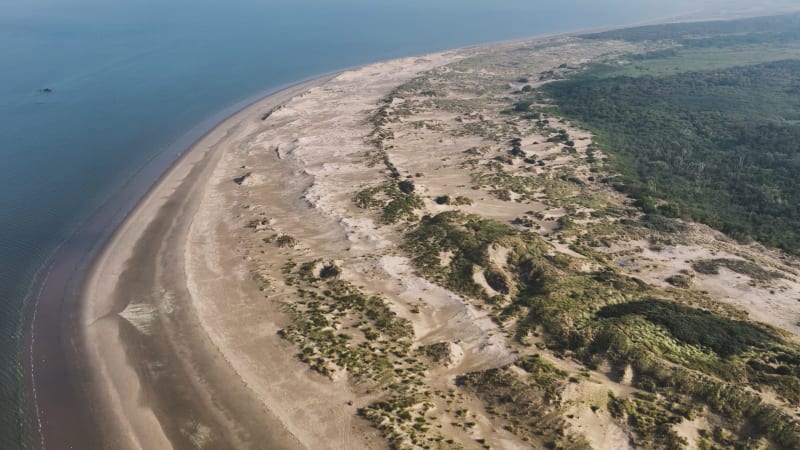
(153,378)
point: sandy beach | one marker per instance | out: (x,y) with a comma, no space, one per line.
(145,369)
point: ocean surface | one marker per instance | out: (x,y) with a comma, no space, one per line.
(133,79)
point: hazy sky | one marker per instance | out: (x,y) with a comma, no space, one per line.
(531,6)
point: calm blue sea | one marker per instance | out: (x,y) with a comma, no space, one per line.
(130,78)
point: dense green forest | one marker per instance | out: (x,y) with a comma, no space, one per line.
(756,28)
(720,146)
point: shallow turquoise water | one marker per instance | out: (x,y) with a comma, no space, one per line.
(132,78)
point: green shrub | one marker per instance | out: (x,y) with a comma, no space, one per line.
(726,337)
(406,186)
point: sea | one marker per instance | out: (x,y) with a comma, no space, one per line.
(93,91)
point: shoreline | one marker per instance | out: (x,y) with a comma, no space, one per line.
(73,272)
(60,381)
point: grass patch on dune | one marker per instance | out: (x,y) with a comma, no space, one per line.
(693,326)
(469,238)
(326,304)
(754,271)
(652,419)
(394,200)
(340,331)
(528,403)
